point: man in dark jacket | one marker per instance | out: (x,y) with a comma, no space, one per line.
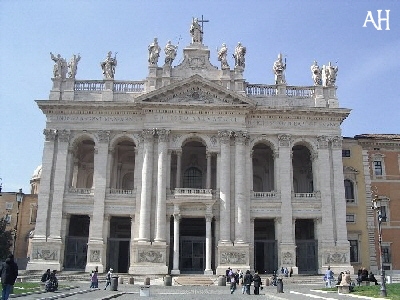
(257,283)
(247,280)
(9,273)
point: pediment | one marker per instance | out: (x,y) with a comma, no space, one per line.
(348,169)
(195,90)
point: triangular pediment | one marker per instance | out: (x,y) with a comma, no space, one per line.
(349,169)
(195,90)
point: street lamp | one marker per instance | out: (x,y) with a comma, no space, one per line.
(18,197)
(377,206)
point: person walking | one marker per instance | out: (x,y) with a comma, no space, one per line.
(257,283)
(108,278)
(247,280)
(328,277)
(9,273)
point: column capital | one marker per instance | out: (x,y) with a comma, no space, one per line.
(49,134)
(225,136)
(103,136)
(322,142)
(285,140)
(63,135)
(148,134)
(336,142)
(163,135)
(241,137)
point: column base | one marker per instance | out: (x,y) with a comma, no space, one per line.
(95,256)
(207,272)
(232,256)
(148,259)
(337,258)
(175,272)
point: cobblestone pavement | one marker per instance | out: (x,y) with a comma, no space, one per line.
(292,291)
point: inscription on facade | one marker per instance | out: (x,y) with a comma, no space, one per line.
(288,123)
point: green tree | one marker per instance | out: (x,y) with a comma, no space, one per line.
(6,239)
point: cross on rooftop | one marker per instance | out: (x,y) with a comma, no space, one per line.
(202,21)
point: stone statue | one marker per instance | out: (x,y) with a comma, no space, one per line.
(154,52)
(196,31)
(73,66)
(222,53)
(170,53)
(60,66)
(279,70)
(330,74)
(108,66)
(240,52)
(316,73)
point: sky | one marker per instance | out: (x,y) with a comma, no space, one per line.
(303,31)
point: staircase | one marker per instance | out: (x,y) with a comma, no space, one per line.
(200,280)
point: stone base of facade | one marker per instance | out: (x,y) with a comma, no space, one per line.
(95,257)
(337,258)
(148,258)
(233,256)
(46,255)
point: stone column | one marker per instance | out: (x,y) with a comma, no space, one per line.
(251,172)
(96,242)
(225,187)
(44,196)
(208,179)
(59,186)
(138,185)
(252,244)
(242,222)
(285,178)
(177,218)
(208,270)
(145,201)
(338,192)
(163,139)
(178,168)
(74,173)
(324,175)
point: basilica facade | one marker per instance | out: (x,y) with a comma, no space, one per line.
(192,170)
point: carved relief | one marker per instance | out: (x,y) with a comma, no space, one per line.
(336,258)
(163,135)
(241,137)
(287,258)
(322,142)
(49,134)
(336,142)
(233,258)
(46,254)
(148,134)
(95,255)
(150,256)
(103,136)
(63,135)
(197,62)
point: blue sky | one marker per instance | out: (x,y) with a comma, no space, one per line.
(304,31)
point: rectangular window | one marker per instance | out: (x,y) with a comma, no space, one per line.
(350,218)
(349,191)
(346,153)
(386,254)
(9,205)
(353,251)
(384,213)
(378,168)
(33,214)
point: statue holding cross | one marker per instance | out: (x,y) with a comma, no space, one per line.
(196,30)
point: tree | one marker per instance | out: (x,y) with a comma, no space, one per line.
(6,239)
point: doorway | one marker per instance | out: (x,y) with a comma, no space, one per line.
(265,246)
(306,247)
(118,254)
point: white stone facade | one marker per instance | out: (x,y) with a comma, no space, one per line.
(191,170)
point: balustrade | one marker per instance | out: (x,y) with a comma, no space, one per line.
(120,191)
(262,195)
(89,85)
(85,191)
(270,90)
(304,195)
(129,86)
(300,92)
(190,191)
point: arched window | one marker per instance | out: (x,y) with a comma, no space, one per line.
(349,190)
(193,178)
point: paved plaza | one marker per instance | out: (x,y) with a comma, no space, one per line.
(157,290)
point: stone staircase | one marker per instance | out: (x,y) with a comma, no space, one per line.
(199,280)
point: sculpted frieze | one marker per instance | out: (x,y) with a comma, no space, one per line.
(233,258)
(44,253)
(150,256)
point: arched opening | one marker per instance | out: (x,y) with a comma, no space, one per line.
(83,161)
(123,166)
(263,168)
(302,170)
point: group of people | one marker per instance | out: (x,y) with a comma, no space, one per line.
(363,275)
(50,281)
(237,277)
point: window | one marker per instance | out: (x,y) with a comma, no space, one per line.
(378,168)
(350,218)
(9,205)
(33,214)
(349,191)
(354,251)
(346,153)
(386,254)
(193,178)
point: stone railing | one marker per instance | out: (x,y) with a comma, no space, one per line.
(271,90)
(304,195)
(120,191)
(89,85)
(85,191)
(129,86)
(263,195)
(117,86)
(190,191)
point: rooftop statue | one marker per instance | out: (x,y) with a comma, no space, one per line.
(73,66)
(196,31)
(154,52)
(239,54)
(330,74)
(222,53)
(108,65)
(170,53)
(60,66)
(316,73)
(279,70)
